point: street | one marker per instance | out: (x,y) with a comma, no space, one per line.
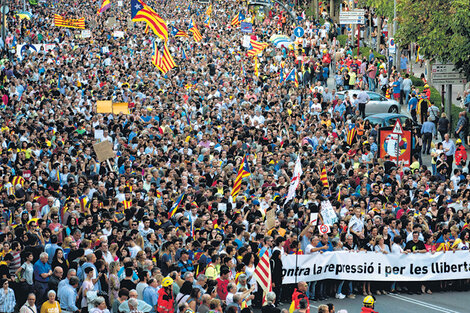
(444,302)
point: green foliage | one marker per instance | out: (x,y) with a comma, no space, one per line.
(439,27)
(364,51)
(416,81)
(342,39)
(382,7)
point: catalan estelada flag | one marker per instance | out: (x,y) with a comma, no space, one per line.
(141,12)
(193,29)
(351,134)
(292,77)
(237,19)
(163,61)
(256,47)
(106,4)
(244,171)
(178,32)
(175,206)
(61,21)
(83,200)
(207,21)
(324,178)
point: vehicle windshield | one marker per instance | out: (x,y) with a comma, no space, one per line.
(375,120)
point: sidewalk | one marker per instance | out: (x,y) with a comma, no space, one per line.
(456,89)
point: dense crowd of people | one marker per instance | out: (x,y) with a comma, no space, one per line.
(80,235)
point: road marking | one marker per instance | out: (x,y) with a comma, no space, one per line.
(421,303)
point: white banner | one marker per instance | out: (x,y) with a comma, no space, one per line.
(294,183)
(372,266)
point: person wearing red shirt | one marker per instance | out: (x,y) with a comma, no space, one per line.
(222,283)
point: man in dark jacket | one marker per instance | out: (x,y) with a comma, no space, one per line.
(55,278)
(270,307)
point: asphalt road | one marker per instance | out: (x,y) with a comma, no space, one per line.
(444,302)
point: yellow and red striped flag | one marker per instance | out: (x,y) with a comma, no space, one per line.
(163,61)
(209,10)
(193,29)
(324,178)
(244,171)
(256,47)
(18,180)
(140,12)
(351,134)
(61,21)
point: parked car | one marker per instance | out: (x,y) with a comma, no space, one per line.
(389,119)
(376,104)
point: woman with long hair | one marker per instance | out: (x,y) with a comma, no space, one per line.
(59,260)
(276,274)
(114,282)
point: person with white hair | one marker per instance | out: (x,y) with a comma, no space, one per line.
(42,272)
(51,305)
(270,304)
(100,306)
(133,306)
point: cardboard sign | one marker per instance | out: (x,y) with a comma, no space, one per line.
(99,134)
(121,107)
(118,34)
(328,214)
(86,33)
(92,24)
(104,106)
(313,218)
(111,22)
(246,41)
(270,219)
(130,24)
(104,150)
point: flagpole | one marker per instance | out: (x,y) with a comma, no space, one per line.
(297,255)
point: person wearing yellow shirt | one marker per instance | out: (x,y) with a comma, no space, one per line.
(51,305)
(213,269)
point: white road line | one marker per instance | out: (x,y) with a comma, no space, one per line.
(423,304)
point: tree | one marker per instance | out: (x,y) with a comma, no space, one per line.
(439,27)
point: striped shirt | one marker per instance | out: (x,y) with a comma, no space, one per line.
(7,301)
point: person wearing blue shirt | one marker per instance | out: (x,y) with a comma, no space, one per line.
(325,243)
(412,106)
(396,89)
(42,272)
(428,129)
(150,294)
(185,263)
(67,295)
(7,297)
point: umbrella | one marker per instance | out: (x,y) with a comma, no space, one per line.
(24,14)
(276,39)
